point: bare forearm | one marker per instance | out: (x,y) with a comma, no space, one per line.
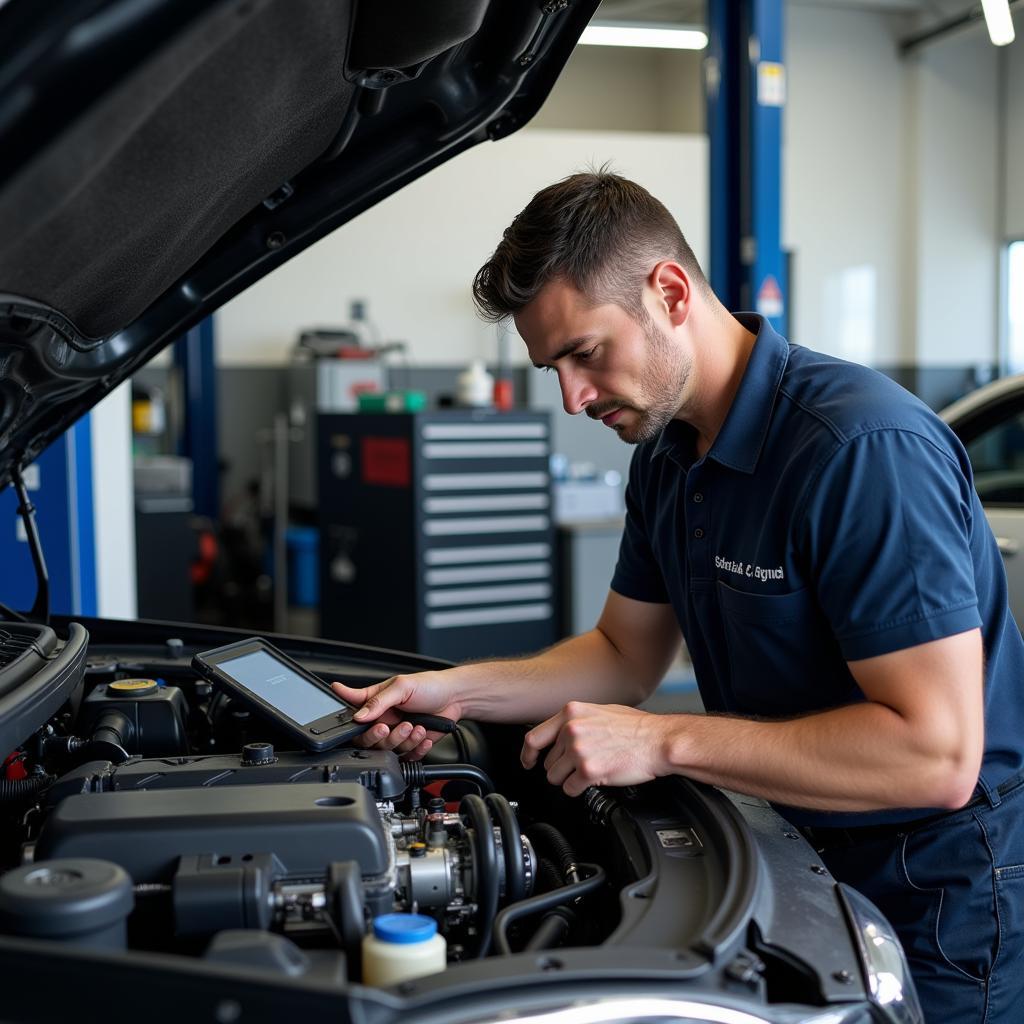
(619,661)
(857,758)
(586,667)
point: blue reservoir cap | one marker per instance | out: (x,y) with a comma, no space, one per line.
(404,928)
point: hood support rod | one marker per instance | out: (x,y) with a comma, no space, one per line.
(41,607)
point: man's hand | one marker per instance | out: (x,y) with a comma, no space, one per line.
(599,745)
(426,692)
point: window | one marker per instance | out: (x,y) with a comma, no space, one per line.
(997,457)
(1015,306)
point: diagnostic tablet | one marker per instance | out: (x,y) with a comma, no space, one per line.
(280,689)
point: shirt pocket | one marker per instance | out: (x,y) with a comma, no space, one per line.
(782,656)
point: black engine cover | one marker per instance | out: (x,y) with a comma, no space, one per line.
(305,827)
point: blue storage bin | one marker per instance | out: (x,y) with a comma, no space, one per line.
(303,566)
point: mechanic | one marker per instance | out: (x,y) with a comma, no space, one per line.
(813,531)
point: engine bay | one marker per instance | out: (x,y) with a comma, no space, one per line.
(147,812)
(215,828)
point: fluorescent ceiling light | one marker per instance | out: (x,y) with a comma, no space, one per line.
(999,21)
(664,38)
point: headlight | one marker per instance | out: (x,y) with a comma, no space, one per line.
(886,970)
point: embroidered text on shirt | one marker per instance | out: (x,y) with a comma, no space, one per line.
(746,569)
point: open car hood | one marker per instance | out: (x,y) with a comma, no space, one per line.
(159,156)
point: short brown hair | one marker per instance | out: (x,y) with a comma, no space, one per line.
(599,232)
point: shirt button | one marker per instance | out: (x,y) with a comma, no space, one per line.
(698,497)
(698,533)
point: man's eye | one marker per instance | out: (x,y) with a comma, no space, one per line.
(584,356)
(545,369)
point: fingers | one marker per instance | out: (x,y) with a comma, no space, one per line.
(396,738)
(576,784)
(382,705)
(403,738)
(420,751)
(557,750)
(372,736)
(540,737)
(568,768)
(411,737)
(566,763)
(383,696)
(561,768)
(351,694)
(374,700)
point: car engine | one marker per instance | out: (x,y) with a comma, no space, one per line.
(122,818)
(148,816)
(307,846)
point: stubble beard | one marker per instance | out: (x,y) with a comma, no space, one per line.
(661,388)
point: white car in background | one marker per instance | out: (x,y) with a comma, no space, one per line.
(990,423)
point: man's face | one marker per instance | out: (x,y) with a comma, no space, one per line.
(631,376)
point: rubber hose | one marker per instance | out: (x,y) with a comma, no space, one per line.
(511,846)
(549,836)
(22,789)
(418,774)
(485,867)
(552,929)
(548,876)
(546,901)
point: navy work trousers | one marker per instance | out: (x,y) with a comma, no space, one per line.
(954,891)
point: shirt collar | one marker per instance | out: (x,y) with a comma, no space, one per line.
(739,442)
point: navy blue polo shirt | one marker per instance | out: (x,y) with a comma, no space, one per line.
(834,518)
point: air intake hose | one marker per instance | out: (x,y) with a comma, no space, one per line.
(22,789)
(418,774)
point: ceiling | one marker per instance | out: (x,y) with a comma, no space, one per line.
(693,12)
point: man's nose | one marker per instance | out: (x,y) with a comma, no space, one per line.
(577,392)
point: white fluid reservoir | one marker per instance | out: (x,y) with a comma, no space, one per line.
(475,386)
(402,946)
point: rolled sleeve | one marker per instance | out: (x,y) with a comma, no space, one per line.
(888,531)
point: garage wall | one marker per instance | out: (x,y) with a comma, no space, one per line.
(892,179)
(413,256)
(1014,98)
(845,214)
(625,89)
(114,506)
(956,202)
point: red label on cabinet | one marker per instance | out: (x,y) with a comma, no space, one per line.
(387,461)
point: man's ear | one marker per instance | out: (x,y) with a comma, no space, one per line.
(672,289)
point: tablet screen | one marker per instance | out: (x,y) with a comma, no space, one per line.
(282,687)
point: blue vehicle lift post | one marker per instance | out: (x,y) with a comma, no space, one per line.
(194,356)
(50,507)
(746,85)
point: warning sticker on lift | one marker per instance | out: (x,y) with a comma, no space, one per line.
(771,84)
(769,298)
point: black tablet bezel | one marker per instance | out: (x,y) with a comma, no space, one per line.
(321,734)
